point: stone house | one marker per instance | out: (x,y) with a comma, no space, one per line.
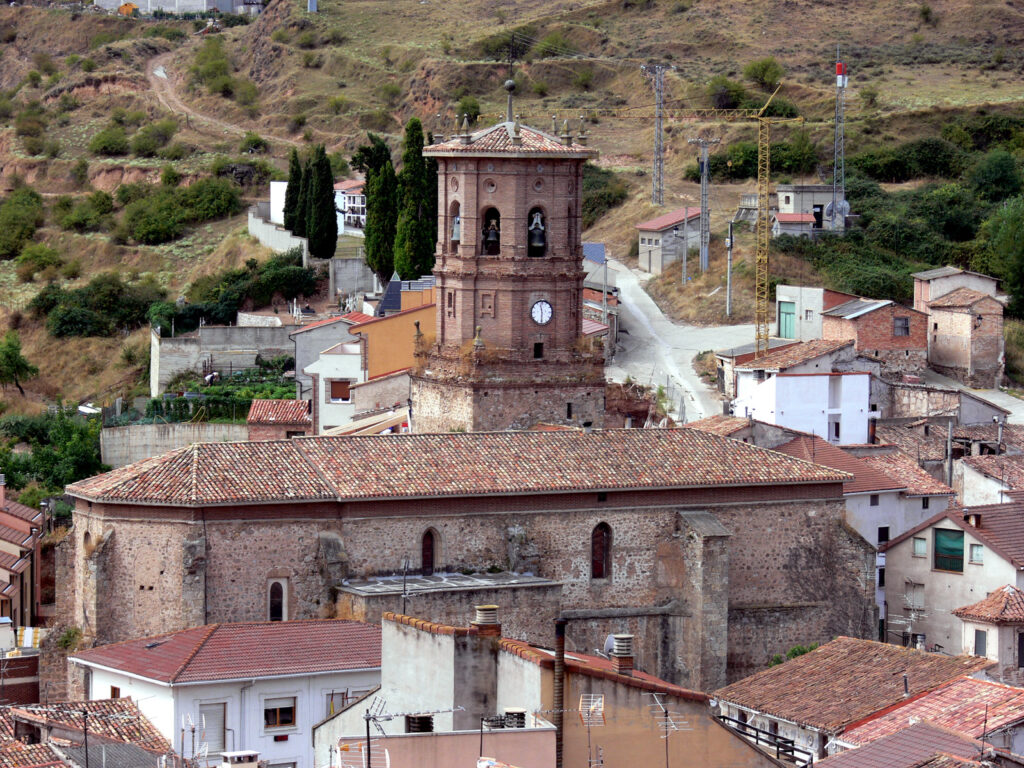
(976,708)
(994,628)
(965,339)
(795,224)
(255,686)
(951,560)
(664,239)
(896,335)
(814,698)
(509,696)
(665,551)
(798,310)
(935,283)
(279,419)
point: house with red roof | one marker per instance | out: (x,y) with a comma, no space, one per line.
(965,338)
(995,626)
(278,419)
(988,478)
(949,563)
(350,205)
(795,224)
(521,703)
(665,239)
(313,338)
(21,565)
(258,686)
(915,743)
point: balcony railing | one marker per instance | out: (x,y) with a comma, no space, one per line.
(784,749)
(949,563)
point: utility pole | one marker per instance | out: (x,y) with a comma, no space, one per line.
(656,72)
(728,273)
(839,207)
(705,210)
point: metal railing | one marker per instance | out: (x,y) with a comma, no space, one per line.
(785,749)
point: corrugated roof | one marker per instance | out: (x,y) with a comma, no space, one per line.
(866,479)
(669,219)
(1004,605)
(594,252)
(500,139)
(110,755)
(457,464)
(905,748)
(795,354)
(961,297)
(844,681)
(853,309)
(906,471)
(279,412)
(244,650)
(961,705)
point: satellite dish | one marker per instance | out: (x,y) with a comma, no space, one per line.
(842,210)
(609,644)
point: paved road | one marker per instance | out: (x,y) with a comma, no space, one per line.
(654,350)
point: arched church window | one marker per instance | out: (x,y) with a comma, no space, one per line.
(429,552)
(601,552)
(491,235)
(277,603)
(537,236)
(456,225)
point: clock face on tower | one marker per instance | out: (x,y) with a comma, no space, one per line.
(541,312)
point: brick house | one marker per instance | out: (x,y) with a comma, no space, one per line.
(798,310)
(935,283)
(279,419)
(666,550)
(664,239)
(965,339)
(896,335)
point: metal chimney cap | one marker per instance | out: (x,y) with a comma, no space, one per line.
(622,645)
(486,614)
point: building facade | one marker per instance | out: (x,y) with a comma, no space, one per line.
(895,335)
(966,337)
(666,239)
(798,310)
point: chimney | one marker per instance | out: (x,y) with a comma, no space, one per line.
(973,518)
(558,687)
(486,621)
(3,488)
(906,685)
(622,655)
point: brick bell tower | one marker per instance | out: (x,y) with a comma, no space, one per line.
(509,350)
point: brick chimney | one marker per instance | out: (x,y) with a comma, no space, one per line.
(486,621)
(622,655)
(3,489)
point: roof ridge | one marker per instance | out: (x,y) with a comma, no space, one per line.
(191,656)
(317,469)
(136,640)
(193,494)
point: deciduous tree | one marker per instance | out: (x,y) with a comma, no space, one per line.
(14,367)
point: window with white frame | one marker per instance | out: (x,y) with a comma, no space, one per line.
(279,713)
(920,547)
(339,391)
(977,554)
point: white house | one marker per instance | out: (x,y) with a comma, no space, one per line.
(664,240)
(813,201)
(350,204)
(278,189)
(797,224)
(258,686)
(799,308)
(947,562)
(334,374)
(988,479)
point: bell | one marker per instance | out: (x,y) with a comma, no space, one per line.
(492,241)
(537,241)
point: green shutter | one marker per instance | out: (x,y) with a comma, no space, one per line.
(949,550)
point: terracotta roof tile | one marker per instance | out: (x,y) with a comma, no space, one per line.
(795,354)
(961,705)
(844,681)
(117,719)
(15,754)
(356,317)
(1007,469)
(1004,605)
(866,478)
(794,218)
(720,424)
(961,297)
(323,322)
(457,464)
(904,748)
(244,650)
(912,443)
(950,761)
(279,412)
(906,471)
(352,186)
(670,219)
(498,139)
(1013,434)
(28,514)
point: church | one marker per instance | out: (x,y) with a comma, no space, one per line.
(714,553)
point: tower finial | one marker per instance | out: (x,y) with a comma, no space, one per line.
(510,83)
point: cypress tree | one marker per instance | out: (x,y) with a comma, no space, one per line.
(432,190)
(371,157)
(381,215)
(321,217)
(302,203)
(414,246)
(291,195)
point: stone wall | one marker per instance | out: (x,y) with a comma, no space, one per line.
(967,343)
(381,393)
(918,400)
(124,445)
(277,239)
(873,335)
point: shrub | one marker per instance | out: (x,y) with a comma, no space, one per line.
(468,105)
(540,88)
(279,36)
(88,65)
(306,40)
(153,137)
(725,93)
(312,60)
(154,219)
(583,79)
(765,73)
(868,96)
(335,36)
(72,270)
(20,215)
(34,78)
(169,177)
(33,145)
(339,165)
(175,151)
(995,176)
(68,320)
(252,143)
(168,33)
(144,145)
(390,92)
(129,193)
(246,93)
(338,104)
(34,258)
(602,191)
(296,122)
(110,141)
(553,44)
(29,123)
(911,160)
(80,172)
(68,103)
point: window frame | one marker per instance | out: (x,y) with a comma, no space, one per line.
(874,500)
(283,583)
(924,546)
(331,399)
(601,560)
(901,326)
(278,726)
(926,502)
(978,559)
(950,559)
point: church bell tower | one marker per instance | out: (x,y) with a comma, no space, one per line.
(509,350)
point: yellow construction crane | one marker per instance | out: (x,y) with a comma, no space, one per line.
(762,229)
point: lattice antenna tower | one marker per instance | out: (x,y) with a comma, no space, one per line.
(839,207)
(705,208)
(656,73)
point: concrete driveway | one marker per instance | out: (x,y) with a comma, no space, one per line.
(655,350)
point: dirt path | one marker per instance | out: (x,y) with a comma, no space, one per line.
(163,85)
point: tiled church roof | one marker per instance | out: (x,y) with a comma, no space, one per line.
(499,139)
(457,464)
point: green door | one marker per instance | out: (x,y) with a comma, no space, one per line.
(787,319)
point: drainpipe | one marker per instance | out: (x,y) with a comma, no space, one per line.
(558,697)
(949,455)
(241,711)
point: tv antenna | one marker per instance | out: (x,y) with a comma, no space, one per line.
(668,721)
(591,713)
(838,208)
(376,714)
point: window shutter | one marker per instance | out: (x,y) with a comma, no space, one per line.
(213,734)
(340,390)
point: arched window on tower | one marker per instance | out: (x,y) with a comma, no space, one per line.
(277,600)
(601,552)
(456,226)
(491,234)
(536,235)
(429,552)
